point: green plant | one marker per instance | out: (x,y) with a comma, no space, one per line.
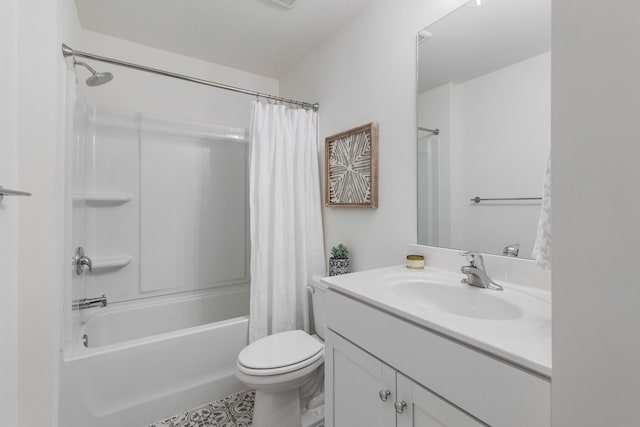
(340,252)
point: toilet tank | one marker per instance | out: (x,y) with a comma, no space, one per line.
(318,297)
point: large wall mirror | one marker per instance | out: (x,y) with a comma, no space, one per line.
(484,100)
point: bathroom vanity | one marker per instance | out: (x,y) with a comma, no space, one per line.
(419,348)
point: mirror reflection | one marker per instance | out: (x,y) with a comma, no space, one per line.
(484,126)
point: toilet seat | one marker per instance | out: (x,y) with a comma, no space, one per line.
(280,353)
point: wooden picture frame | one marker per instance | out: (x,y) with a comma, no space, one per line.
(351,168)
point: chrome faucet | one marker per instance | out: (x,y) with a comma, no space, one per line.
(476,272)
(80,261)
(81,304)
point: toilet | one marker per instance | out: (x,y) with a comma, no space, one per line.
(287,372)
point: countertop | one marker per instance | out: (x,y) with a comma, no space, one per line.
(523,339)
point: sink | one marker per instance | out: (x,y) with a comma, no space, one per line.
(513,324)
(459,300)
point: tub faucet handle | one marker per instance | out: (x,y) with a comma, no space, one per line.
(80,261)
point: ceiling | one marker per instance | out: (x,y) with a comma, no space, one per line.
(258,36)
(473,41)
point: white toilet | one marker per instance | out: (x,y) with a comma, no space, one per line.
(287,372)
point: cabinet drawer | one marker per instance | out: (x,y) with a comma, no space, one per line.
(490,389)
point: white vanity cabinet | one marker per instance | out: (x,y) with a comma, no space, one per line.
(367,392)
(442,381)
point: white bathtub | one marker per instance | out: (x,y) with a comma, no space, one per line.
(148,360)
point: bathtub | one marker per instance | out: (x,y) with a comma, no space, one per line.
(147,360)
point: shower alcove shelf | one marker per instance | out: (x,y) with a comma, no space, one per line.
(103,199)
(94,199)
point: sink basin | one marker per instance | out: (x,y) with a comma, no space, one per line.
(462,300)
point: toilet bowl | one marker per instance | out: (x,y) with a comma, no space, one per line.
(287,372)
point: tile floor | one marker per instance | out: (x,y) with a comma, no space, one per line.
(235,410)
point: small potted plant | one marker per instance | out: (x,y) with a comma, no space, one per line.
(339,261)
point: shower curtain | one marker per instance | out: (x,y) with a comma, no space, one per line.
(542,245)
(285,217)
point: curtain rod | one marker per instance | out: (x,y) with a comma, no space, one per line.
(67,51)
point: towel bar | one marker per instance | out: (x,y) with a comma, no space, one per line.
(478,199)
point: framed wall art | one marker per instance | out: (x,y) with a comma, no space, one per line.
(351,168)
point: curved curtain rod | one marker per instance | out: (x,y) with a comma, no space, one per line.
(67,51)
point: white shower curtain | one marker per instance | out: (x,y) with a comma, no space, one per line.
(285,217)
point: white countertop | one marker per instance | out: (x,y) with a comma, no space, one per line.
(524,340)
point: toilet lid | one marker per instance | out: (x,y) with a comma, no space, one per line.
(280,350)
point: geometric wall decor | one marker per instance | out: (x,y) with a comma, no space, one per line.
(351,168)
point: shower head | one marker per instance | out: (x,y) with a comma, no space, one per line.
(99,79)
(96,79)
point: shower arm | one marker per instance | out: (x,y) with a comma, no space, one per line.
(85,65)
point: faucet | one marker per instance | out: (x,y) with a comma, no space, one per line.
(511,250)
(81,304)
(476,272)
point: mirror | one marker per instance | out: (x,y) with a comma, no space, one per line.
(484,107)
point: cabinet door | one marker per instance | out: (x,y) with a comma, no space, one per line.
(425,409)
(353,384)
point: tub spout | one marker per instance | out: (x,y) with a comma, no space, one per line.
(81,304)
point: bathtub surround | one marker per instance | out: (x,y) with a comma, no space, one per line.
(152,358)
(285,217)
(128,116)
(171,292)
(119,214)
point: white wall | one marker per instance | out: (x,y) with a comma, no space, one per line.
(164,96)
(365,73)
(596,206)
(40,125)
(8,216)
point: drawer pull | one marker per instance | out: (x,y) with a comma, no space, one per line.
(400,406)
(384,395)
